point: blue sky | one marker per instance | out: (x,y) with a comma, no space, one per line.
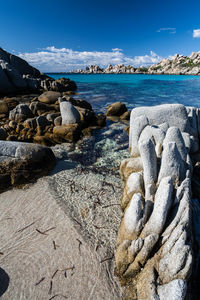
(69,34)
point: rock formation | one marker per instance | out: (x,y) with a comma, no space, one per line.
(17,76)
(178,65)
(155,243)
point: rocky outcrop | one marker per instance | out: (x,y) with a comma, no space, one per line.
(49,119)
(17,76)
(178,65)
(22,162)
(155,247)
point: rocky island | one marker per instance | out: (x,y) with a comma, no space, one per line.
(177,65)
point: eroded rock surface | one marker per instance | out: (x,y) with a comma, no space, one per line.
(155,244)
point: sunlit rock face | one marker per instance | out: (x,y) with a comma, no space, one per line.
(154,256)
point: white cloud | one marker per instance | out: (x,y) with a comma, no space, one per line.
(196,33)
(52,59)
(169,29)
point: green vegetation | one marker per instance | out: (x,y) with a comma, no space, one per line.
(143,69)
(190,64)
(156,68)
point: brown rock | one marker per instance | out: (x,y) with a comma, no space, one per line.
(49,97)
(30,123)
(42,140)
(116,109)
(3,107)
(70,132)
(11,102)
(126,116)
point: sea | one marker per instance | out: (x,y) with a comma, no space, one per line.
(107,147)
(135,89)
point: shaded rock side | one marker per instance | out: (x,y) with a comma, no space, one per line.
(17,76)
(155,245)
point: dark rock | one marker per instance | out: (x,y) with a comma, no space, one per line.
(38,108)
(52,116)
(78,102)
(3,134)
(88,117)
(30,123)
(59,85)
(12,138)
(14,72)
(100,120)
(42,122)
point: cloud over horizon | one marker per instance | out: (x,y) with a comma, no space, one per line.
(196,33)
(52,59)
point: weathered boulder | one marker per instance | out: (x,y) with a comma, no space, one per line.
(22,162)
(69,113)
(20,113)
(49,97)
(155,245)
(116,109)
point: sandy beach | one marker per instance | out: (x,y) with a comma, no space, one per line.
(49,250)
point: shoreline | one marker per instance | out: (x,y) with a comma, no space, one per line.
(77,73)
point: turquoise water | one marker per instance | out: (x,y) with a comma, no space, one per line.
(136,90)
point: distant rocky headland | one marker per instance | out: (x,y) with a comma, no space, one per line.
(177,65)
